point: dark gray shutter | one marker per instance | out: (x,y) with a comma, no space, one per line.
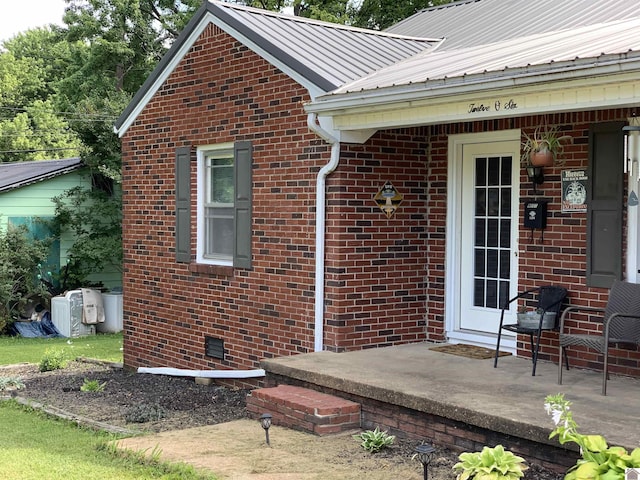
(243,156)
(183,204)
(604,208)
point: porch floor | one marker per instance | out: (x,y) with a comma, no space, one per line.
(506,399)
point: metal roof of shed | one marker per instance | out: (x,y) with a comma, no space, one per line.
(19,174)
(477,22)
(593,42)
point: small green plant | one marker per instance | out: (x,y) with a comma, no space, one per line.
(490,464)
(10,383)
(375,440)
(145,412)
(92,386)
(53,359)
(599,461)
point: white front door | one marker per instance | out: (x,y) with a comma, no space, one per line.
(482,233)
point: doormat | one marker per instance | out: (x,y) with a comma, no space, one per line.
(469,351)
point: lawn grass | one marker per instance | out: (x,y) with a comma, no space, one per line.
(36,447)
(103,346)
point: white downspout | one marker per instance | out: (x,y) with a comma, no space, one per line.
(312,121)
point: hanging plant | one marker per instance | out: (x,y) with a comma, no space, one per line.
(544,148)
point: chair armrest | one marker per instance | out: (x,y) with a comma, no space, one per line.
(577,308)
(607,321)
(505,306)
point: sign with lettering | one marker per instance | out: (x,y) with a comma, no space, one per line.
(492,106)
(574,191)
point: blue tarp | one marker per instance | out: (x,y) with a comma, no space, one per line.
(44,328)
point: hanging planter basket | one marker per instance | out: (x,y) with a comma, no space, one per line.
(541,159)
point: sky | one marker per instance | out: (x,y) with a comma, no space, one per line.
(22,15)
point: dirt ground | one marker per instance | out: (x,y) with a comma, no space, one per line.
(207,426)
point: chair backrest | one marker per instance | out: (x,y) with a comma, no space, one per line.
(624,297)
(550,298)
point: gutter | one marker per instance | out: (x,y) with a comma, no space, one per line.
(321,196)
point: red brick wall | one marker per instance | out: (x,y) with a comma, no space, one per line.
(558,258)
(221,92)
(384,276)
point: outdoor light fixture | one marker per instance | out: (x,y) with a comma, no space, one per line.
(265,421)
(536,176)
(425,454)
(632,146)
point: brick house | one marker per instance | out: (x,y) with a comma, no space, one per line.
(293,186)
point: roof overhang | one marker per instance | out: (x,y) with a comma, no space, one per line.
(585,84)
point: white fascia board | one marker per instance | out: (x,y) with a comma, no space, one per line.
(208,18)
(446,90)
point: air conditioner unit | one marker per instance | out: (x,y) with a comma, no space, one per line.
(66,315)
(112,313)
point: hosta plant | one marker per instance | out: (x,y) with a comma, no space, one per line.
(490,464)
(375,440)
(599,461)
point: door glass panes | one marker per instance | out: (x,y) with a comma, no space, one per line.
(492,229)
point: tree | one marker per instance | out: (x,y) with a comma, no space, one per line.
(381,14)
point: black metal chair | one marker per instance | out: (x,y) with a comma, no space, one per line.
(549,300)
(621,324)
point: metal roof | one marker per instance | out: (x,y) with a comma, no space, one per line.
(547,50)
(337,53)
(19,174)
(323,55)
(478,22)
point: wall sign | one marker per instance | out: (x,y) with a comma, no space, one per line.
(388,199)
(492,106)
(574,190)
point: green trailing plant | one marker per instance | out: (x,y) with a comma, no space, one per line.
(599,461)
(490,464)
(92,386)
(11,383)
(375,440)
(53,359)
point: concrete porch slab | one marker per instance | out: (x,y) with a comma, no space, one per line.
(506,399)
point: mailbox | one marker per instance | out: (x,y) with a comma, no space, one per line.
(535,214)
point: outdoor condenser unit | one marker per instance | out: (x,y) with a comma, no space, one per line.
(66,315)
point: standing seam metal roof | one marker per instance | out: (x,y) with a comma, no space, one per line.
(588,42)
(327,55)
(337,53)
(478,22)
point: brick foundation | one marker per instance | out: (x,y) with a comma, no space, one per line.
(303,409)
(457,436)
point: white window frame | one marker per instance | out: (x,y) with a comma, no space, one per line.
(223,150)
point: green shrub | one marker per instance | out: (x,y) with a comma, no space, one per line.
(92,386)
(53,359)
(375,440)
(10,383)
(19,257)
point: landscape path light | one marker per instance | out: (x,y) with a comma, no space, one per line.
(265,421)
(425,454)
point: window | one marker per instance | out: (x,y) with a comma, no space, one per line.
(224,194)
(215,209)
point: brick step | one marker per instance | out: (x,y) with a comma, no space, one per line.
(304,409)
